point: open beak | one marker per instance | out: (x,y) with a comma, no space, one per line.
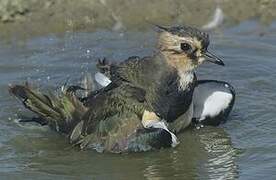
(213,58)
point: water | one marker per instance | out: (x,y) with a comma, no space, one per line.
(243,148)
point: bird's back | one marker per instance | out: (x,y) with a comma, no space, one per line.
(160,82)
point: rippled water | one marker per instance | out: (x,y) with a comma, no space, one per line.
(244,147)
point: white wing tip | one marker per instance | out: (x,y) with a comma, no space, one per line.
(102,79)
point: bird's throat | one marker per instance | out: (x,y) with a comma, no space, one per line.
(185,78)
(184,70)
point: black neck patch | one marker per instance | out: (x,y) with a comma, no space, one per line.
(172,101)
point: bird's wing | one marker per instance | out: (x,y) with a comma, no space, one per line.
(110,101)
(213,101)
(110,69)
(158,80)
(60,111)
(114,122)
(123,132)
(111,133)
(141,72)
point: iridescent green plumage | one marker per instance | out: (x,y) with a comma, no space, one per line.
(111,122)
(62,112)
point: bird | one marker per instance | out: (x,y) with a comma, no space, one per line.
(148,101)
(213,100)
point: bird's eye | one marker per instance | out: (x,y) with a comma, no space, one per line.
(185,46)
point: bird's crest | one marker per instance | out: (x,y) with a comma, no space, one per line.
(186,31)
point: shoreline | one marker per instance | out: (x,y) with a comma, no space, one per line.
(27,18)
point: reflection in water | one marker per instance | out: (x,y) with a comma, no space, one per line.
(207,152)
(178,163)
(221,162)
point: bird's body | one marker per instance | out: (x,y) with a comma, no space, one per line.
(136,89)
(145,101)
(169,93)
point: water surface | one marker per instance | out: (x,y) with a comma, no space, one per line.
(243,148)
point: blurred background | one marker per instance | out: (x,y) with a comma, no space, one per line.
(50,42)
(36,17)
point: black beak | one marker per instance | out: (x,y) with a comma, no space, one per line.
(213,58)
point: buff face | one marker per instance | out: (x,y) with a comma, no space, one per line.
(186,50)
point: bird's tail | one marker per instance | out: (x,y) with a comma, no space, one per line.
(60,111)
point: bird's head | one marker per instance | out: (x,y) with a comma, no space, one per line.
(185,47)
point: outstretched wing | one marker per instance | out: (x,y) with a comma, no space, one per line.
(61,112)
(213,101)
